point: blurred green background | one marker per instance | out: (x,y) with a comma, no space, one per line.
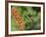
(31,16)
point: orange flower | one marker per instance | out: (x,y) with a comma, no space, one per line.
(18,18)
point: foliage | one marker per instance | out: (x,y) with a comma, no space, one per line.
(31,16)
